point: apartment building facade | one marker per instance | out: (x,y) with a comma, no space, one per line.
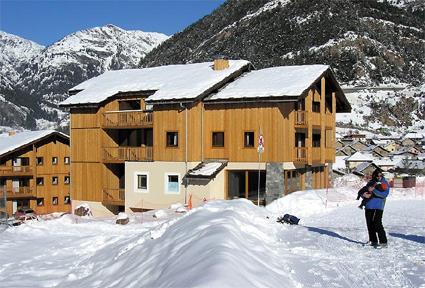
(35,171)
(162,135)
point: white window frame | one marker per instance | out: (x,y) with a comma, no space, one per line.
(136,180)
(166,183)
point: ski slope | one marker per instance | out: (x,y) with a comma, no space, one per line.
(224,244)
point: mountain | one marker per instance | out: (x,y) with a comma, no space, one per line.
(37,77)
(368,43)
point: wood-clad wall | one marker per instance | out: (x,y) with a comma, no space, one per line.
(90,174)
(274,121)
(52,146)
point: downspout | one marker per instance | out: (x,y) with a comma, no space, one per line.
(202,131)
(185,153)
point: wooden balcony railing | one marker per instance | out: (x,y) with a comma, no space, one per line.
(15,170)
(20,192)
(125,119)
(300,154)
(121,154)
(300,118)
(114,196)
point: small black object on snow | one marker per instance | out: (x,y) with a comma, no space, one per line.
(288,219)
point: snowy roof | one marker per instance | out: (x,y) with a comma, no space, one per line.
(184,81)
(361,167)
(384,162)
(414,135)
(339,163)
(272,82)
(358,156)
(206,169)
(11,143)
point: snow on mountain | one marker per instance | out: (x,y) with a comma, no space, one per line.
(225,244)
(15,52)
(45,74)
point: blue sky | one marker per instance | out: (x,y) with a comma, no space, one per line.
(46,21)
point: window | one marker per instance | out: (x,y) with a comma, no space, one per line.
(316,140)
(54,160)
(316,107)
(67,200)
(172,139)
(55,200)
(40,201)
(218,139)
(66,180)
(55,180)
(39,161)
(249,139)
(172,184)
(66,160)
(141,182)
(40,181)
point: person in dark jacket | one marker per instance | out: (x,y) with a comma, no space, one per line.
(375,209)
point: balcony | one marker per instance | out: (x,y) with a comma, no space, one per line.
(127,119)
(301,119)
(121,154)
(300,154)
(113,197)
(16,171)
(20,193)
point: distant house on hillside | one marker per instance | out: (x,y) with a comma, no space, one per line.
(35,171)
(358,158)
(161,135)
(364,169)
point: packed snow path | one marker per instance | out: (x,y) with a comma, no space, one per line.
(222,244)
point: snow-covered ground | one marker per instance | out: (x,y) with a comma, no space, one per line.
(225,244)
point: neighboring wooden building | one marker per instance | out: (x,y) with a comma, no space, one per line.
(35,171)
(155,136)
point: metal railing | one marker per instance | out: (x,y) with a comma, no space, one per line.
(117,119)
(120,154)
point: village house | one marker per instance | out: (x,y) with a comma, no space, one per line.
(146,138)
(35,171)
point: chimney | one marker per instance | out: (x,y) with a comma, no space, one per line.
(12,133)
(220,63)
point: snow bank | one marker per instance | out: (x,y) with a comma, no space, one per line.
(221,244)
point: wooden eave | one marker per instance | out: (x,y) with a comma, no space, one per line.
(119,95)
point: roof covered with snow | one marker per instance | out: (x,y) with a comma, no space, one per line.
(272,82)
(360,157)
(206,169)
(11,143)
(172,82)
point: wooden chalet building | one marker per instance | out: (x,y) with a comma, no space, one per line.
(146,138)
(35,171)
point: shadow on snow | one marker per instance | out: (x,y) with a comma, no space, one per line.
(414,238)
(332,234)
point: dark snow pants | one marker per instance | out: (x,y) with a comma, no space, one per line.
(374,225)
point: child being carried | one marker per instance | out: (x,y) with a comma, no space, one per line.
(370,186)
